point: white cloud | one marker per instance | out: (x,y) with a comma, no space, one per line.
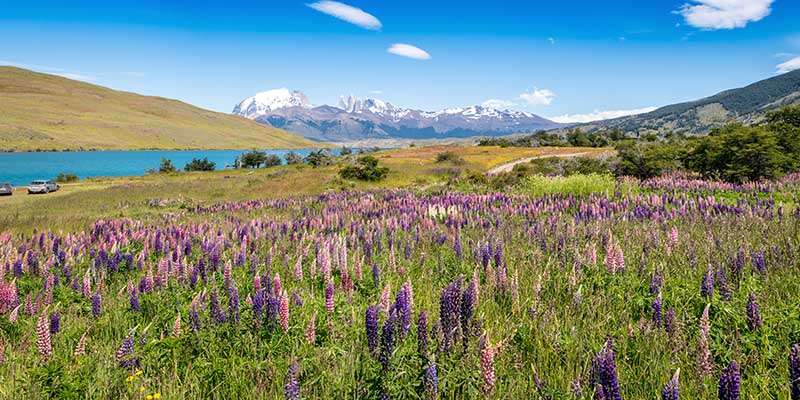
(599,115)
(538,97)
(789,66)
(407,50)
(498,104)
(724,14)
(353,15)
(50,70)
(376,92)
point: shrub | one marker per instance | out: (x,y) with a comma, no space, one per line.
(366,169)
(578,184)
(647,160)
(345,151)
(66,178)
(166,166)
(272,161)
(319,158)
(736,153)
(200,165)
(449,156)
(292,158)
(252,159)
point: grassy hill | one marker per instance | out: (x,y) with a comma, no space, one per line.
(747,105)
(46,112)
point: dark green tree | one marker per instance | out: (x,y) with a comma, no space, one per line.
(200,165)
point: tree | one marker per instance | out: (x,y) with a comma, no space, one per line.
(272,161)
(345,151)
(292,158)
(736,153)
(200,165)
(166,166)
(578,138)
(319,158)
(366,169)
(253,159)
(646,160)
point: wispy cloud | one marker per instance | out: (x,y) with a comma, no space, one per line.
(407,50)
(789,66)
(498,104)
(376,91)
(538,97)
(353,15)
(724,14)
(599,115)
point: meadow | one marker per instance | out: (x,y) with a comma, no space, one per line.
(291,283)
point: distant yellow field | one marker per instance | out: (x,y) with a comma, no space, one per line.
(46,112)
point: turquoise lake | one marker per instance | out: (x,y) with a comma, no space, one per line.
(21,168)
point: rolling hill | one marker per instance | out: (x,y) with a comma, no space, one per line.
(46,112)
(746,105)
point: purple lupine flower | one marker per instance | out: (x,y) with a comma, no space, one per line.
(402,306)
(387,341)
(422,334)
(730,382)
(216,311)
(376,275)
(259,302)
(233,302)
(297,300)
(97,304)
(605,372)
(670,321)
(329,291)
(707,287)
(794,371)
(133,298)
(672,389)
(124,354)
(753,314)
(657,306)
(291,389)
(431,381)
(722,284)
(194,317)
(656,282)
(55,323)
(467,310)
(449,312)
(371,323)
(759,260)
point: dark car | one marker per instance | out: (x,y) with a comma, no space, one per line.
(6,189)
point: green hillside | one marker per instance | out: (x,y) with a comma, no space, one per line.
(746,105)
(47,112)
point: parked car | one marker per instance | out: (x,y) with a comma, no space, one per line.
(42,186)
(6,189)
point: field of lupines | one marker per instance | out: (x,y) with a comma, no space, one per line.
(668,293)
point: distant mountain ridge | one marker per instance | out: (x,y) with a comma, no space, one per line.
(747,105)
(47,112)
(364,119)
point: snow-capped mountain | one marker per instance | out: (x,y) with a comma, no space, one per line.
(271,100)
(359,119)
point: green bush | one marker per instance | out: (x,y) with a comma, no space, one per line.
(366,169)
(66,178)
(200,165)
(292,158)
(166,166)
(449,156)
(252,159)
(319,158)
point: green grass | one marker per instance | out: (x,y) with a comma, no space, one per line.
(46,112)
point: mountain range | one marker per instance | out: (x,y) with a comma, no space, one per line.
(357,119)
(47,112)
(746,105)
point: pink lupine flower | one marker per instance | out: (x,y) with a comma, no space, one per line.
(8,295)
(43,342)
(276,285)
(311,329)
(80,348)
(283,312)
(87,285)
(386,299)
(14,314)
(176,326)
(298,268)
(488,353)
(704,362)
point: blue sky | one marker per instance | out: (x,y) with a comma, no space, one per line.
(550,58)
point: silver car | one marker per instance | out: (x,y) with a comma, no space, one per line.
(6,189)
(42,186)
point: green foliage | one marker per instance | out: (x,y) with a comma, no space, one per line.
(737,153)
(293,158)
(166,166)
(577,184)
(200,165)
(66,177)
(252,159)
(272,160)
(449,156)
(646,160)
(319,158)
(366,169)
(345,151)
